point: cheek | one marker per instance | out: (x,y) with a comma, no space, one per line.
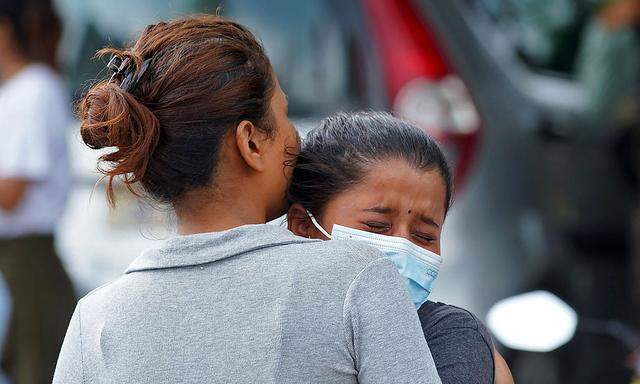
(287,141)
(280,155)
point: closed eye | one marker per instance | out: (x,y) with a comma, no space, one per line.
(376,227)
(424,238)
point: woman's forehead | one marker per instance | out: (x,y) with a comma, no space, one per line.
(395,187)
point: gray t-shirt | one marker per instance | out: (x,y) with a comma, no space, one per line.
(460,344)
(254,304)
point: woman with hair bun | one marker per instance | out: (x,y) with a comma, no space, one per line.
(196,119)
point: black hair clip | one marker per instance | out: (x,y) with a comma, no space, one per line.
(124,69)
(117,66)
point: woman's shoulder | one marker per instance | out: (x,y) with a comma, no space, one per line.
(357,253)
(439,315)
(338,257)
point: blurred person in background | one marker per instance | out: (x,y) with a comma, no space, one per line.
(607,65)
(609,69)
(34,178)
(611,73)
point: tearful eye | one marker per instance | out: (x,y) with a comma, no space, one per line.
(377,227)
(424,238)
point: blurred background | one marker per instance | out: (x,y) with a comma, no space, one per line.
(537,103)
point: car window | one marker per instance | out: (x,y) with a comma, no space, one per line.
(307,48)
(308,43)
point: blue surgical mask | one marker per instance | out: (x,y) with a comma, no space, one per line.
(418,266)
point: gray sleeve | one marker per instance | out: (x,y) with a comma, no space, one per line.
(463,355)
(69,369)
(383,332)
(461,345)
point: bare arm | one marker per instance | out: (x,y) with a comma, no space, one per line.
(503,374)
(12,191)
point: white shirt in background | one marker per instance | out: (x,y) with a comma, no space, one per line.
(35,112)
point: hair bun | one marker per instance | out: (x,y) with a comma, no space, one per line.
(112,117)
(95,110)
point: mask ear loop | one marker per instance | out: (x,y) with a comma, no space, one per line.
(318,226)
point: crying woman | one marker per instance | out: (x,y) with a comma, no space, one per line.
(373,178)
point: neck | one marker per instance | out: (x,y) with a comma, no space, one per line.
(206,211)
(10,65)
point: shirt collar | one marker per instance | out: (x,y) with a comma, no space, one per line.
(203,248)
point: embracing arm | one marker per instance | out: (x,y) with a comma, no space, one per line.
(503,374)
(383,332)
(461,345)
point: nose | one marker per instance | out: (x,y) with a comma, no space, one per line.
(401,232)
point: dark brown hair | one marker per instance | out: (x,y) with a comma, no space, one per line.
(205,75)
(337,155)
(36,28)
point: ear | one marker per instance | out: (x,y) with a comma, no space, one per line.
(298,221)
(251,145)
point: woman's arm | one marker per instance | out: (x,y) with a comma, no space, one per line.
(382,329)
(460,344)
(503,374)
